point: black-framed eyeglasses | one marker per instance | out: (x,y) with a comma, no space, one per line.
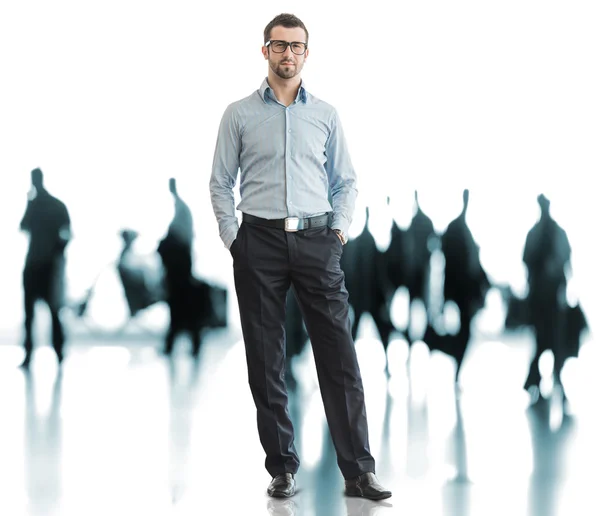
(279,47)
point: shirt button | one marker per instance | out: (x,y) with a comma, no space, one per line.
(289,130)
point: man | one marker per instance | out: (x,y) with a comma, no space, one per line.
(291,153)
(47,221)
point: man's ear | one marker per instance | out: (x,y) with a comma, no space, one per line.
(265,52)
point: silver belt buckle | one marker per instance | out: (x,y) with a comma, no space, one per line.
(292,224)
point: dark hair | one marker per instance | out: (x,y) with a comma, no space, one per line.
(289,21)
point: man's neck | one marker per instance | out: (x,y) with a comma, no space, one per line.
(285,90)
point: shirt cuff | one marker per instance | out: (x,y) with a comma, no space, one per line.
(342,224)
(230,235)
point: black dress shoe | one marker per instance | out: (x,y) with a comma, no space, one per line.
(366,486)
(282,486)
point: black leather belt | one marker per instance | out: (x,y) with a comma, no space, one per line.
(290,223)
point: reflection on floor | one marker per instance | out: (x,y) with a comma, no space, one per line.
(121,430)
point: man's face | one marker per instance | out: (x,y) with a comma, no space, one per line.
(286,65)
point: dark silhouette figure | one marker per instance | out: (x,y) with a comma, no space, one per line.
(48,224)
(141,290)
(547,256)
(465,281)
(397,257)
(139,294)
(175,250)
(418,251)
(369,289)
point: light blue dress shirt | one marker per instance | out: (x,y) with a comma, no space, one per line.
(290,159)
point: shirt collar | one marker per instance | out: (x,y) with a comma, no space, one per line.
(265,92)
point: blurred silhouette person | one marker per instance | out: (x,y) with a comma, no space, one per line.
(141,290)
(182,225)
(48,224)
(418,241)
(547,257)
(142,283)
(369,289)
(465,281)
(396,256)
(175,250)
(397,264)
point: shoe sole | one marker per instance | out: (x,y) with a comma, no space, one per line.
(358,494)
(282,495)
(278,494)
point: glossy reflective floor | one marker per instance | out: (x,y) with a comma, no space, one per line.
(121,430)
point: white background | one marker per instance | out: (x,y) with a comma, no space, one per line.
(112,98)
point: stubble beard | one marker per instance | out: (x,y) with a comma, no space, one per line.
(286,71)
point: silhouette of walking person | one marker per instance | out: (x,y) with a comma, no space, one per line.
(547,256)
(369,288)
(465,281)
(48,224)
(175,250)
(418,240)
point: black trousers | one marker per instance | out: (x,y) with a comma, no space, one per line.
(266,262)
(550,326)
(43,282)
